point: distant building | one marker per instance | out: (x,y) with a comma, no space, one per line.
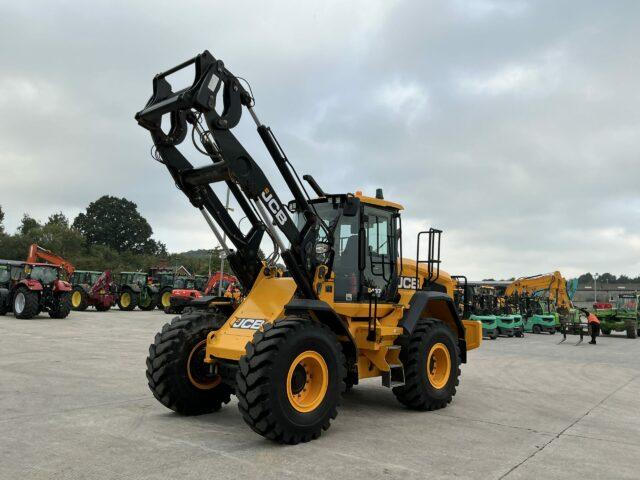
(585,296)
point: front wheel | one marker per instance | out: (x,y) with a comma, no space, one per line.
(536,329)
(164,299)
(26,303)
(177,374)
(147,301)
(431,360)
(632,332)
(290,381)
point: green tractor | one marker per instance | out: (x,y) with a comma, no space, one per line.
(166,281)
(621,318)
(136,289)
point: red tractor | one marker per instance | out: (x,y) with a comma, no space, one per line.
(181,297)
(28,288)
(92,289)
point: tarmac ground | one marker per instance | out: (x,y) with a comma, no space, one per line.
(74,404)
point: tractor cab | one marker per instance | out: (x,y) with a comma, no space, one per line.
(84,277)
(43,273)
(627,302)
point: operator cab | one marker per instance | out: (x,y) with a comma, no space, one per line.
(366,245)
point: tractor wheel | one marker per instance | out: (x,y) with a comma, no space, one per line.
(632,332)
(79,299)
(536,329)
(552,331)
(164,299)
(102,307)
(127,300)
(147,302)
(519,334)
(26,303)
(61,306)
(431,360)
(177,374)
(290,381)
(494,335)
(4,308)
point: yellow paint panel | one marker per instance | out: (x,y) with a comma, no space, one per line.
(265,301)
(472,333)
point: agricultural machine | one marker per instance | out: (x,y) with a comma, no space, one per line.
(92,289)
(182,297)
(347,307)
(483,307)
(166,281)
(623,317)
(28,288)
(136,289)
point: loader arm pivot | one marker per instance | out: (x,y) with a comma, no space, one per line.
(217,97)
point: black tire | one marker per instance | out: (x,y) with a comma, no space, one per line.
(519,334)
(606,331)
(61,306)
(179,384)
(536,329)
(173,310)
(160,298)
(132,300)
(418,392)
(82,304)
(152,301)
(632,332)
(263,388)
(494,335)
(552,331)
(101,307)
(31,303)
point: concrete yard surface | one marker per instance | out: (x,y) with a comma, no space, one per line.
(74,404)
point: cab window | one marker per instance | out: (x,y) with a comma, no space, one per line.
(381,255)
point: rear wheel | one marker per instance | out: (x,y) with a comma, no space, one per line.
(536,329)
(631,331)
(177,374)
(79,299)
(164,299)
(26,303)
(127,300)
(61,306)
(431,360)
(290,381)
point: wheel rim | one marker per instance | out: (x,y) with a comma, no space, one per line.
(19,303)
(125,300)
(166,299)
(76,299)
(198,371)
(438,365)
(307,381)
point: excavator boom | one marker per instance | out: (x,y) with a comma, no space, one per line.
(37,253)
(553,283)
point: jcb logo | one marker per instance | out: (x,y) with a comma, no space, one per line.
(410,283)
(274,208)
(247,323)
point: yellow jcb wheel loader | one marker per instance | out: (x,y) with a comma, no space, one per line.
(346,307)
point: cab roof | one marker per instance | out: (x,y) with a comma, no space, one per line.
(18,263)
(378,202)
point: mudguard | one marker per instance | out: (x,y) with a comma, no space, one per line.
(437,305)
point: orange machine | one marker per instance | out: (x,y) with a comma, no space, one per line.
(37,253)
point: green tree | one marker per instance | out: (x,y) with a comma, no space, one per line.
(28,225)
(116,223)
(58,218)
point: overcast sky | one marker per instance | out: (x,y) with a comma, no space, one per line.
(514,126)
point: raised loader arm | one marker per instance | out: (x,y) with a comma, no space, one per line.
(217,98)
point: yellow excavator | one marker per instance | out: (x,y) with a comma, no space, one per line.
(346,307)
(553,284)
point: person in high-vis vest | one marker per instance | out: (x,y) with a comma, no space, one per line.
(594,326)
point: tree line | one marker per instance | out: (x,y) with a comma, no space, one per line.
(109,234)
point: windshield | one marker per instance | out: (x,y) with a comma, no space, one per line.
(44,274)
(627,303)
(140,278)
(93,277)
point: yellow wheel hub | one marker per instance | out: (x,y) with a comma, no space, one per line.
(166,299)
(307,381)
(76,299)
(125,299)
(438,365)
(198,371)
